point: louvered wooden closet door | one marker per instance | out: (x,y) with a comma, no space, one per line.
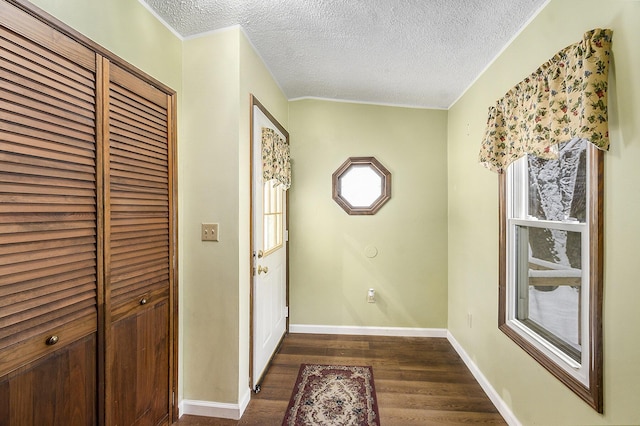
(48,225)
(138,252)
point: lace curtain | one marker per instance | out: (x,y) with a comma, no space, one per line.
(276,161)
(565,98)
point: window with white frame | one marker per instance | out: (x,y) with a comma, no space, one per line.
(551,257)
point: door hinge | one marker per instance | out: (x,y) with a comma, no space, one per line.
(286,235)
(173,399)
(286,312)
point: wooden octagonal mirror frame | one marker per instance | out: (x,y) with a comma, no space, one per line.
(361,185)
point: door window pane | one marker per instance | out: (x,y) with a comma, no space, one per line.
(273,215)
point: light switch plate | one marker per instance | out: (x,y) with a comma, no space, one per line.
(210,232)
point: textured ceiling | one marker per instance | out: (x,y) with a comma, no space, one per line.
(422,53)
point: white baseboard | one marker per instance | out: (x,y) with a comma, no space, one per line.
(244,401)
(215,409)
(368,331)
(494,396)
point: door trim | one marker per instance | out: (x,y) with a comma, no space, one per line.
(253,101)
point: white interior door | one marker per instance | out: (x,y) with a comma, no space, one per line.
(269,256)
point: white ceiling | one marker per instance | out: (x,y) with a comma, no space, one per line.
(420,53)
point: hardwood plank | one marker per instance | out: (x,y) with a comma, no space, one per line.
(419,381)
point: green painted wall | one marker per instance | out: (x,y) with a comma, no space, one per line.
(535,397)
(209,190)
(220,71)
(329,271)
(126,28)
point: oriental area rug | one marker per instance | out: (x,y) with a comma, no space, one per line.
(333,395)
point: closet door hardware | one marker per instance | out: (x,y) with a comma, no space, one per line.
(52,340)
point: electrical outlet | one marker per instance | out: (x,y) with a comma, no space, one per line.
(371,296)
(210,232)
(470,319)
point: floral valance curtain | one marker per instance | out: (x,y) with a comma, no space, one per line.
(276,161)
(565,98)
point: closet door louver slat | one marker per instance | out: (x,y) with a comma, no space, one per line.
(48,204)
(138,195)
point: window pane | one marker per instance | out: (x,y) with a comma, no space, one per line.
(279,228)
(270,228)
(266,197)
(275,190)
(558,188)
(279,197)
(273,208)
(361,185)
(548,288)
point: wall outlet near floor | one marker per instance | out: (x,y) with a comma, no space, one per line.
(470,319)
(210,232)
(371,296)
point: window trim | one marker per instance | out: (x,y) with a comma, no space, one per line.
(591,392)
(375,166)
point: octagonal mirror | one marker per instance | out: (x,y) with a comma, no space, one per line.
(361,185)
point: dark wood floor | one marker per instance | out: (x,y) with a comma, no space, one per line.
(419,381)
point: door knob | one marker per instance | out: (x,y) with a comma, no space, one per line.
(264,269)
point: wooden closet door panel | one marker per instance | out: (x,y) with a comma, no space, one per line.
(140,371)
(138,253)
(48,216)
(38,394)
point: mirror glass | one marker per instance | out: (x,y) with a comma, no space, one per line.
(361,185)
